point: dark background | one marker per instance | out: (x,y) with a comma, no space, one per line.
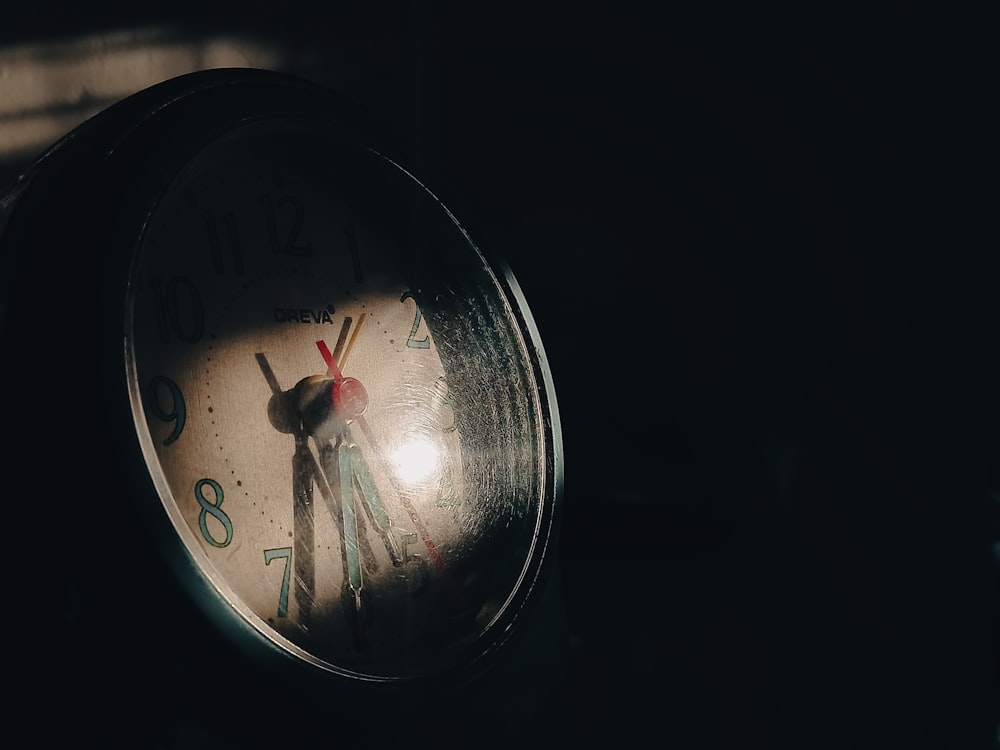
(760,241)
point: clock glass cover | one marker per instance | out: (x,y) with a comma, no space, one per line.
(343,407)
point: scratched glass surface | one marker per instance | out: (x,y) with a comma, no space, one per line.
(335,404)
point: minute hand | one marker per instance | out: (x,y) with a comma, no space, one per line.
(348,399)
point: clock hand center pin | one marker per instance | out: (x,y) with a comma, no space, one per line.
(350,399)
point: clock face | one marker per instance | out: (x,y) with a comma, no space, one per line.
(339,405)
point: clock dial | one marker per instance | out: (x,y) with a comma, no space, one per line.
(337,404)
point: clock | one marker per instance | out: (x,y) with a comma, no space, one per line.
(246,342)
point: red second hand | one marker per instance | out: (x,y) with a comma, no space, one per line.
(330,363)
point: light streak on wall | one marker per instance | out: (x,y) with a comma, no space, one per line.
(49,87)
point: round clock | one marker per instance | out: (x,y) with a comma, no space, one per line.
(274,344)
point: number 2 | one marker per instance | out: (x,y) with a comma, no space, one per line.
(412,341)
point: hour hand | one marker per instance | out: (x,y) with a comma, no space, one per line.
(282,409)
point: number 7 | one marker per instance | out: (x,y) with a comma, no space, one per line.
(274,554)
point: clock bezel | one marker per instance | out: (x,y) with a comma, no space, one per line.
(103,179)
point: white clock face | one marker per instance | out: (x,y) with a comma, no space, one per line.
(337,404)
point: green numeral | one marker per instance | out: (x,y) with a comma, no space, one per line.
(176,412)
(173,317)
(212,508)
(353,469)
(215,243)
(291,245)
(412,341)
(286,554)
(352,245)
